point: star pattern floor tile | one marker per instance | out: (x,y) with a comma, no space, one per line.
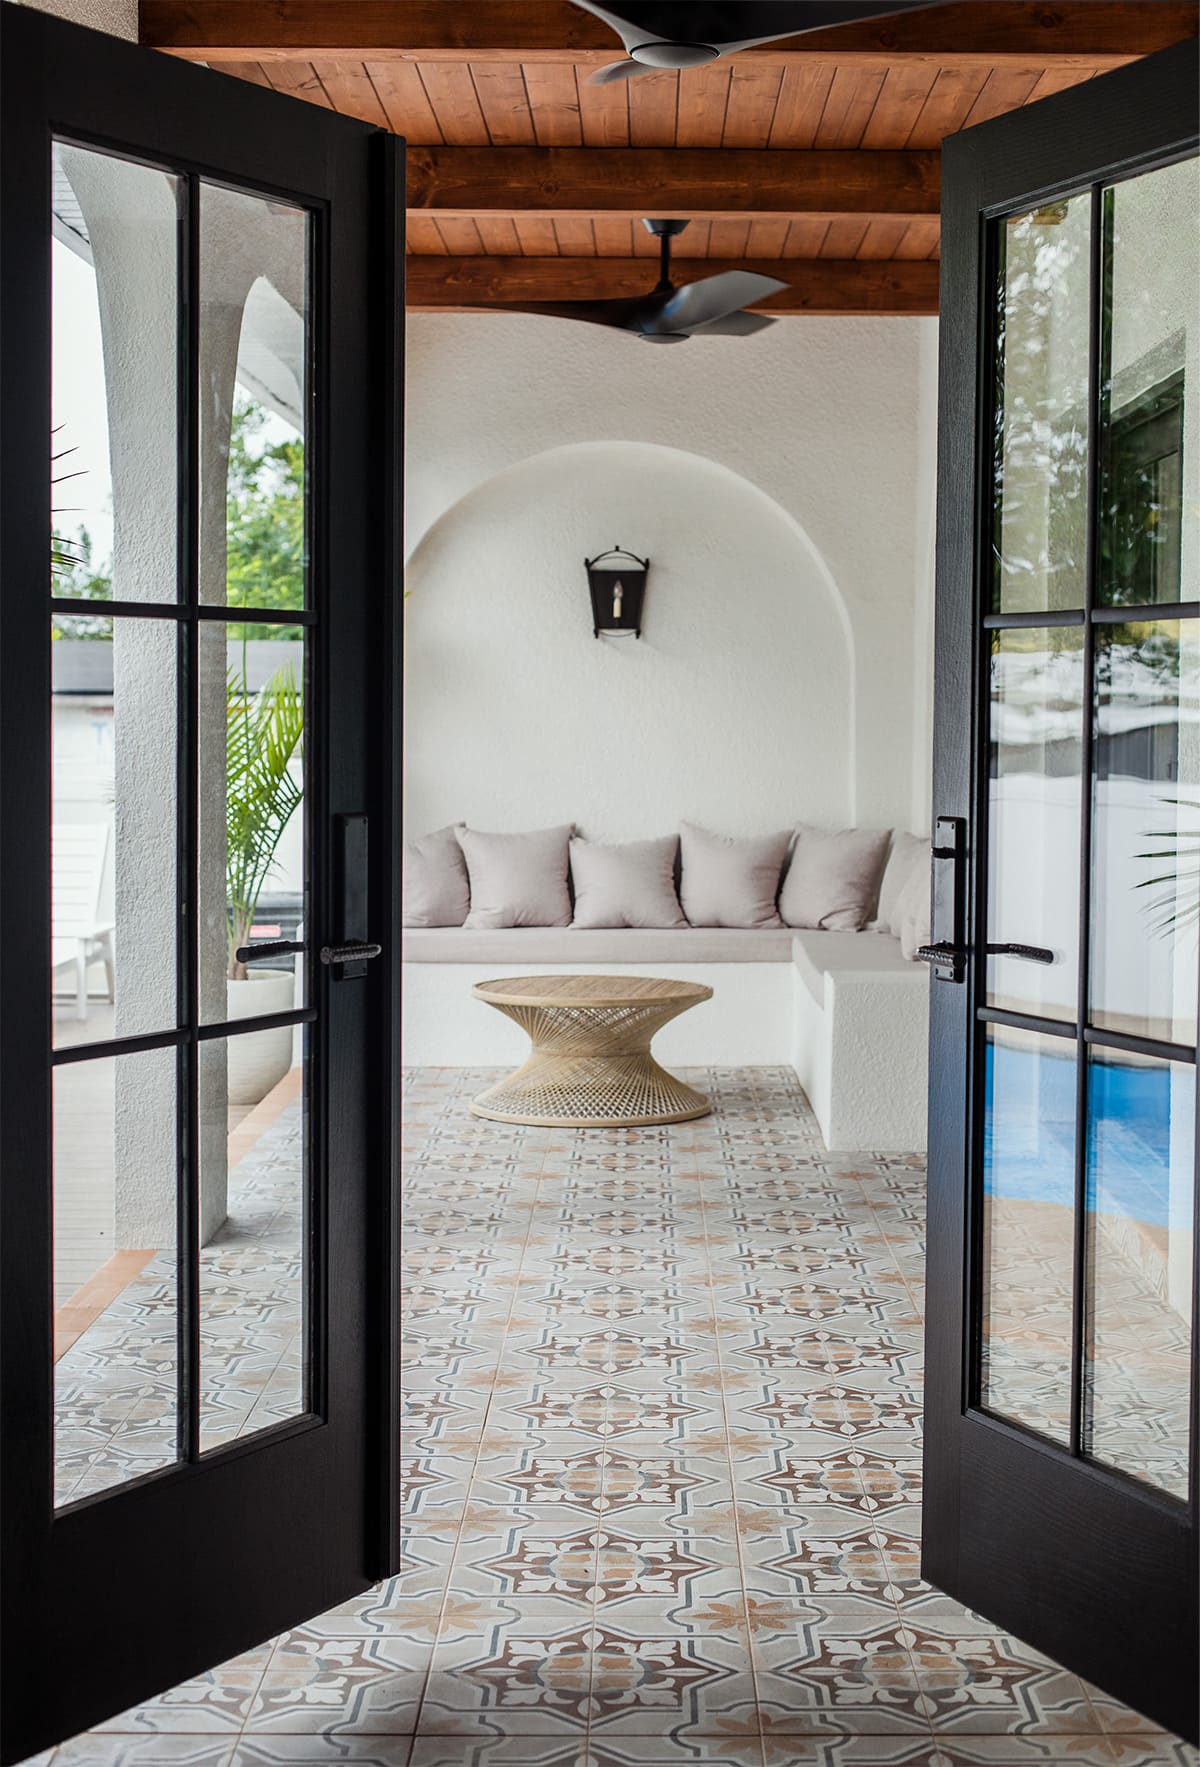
(662,1481)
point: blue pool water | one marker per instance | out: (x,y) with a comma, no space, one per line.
(1135,1114)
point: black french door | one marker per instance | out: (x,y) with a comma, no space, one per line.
(199,363)
(1061,1464)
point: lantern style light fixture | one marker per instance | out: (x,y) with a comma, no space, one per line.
(617,582)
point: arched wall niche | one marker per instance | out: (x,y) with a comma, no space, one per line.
(734,709)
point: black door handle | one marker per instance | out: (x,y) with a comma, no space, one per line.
(958,954)
(1031,953)
(267,948)
(358,951)
(954,957)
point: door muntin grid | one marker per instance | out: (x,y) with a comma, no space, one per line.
(1121,1060)
(191,1034)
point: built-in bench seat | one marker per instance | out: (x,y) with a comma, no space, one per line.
(569,944)
(844,1009)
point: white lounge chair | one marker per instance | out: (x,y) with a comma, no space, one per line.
(81,933)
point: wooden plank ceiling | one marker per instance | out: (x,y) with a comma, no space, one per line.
(821,151)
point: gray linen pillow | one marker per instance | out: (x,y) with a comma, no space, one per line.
(729,882)
(434,879)
(517,879)
(833,879)
(628,885)
(909,853)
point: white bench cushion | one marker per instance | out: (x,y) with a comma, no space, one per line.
(570,944)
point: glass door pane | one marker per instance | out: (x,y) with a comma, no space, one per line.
(114,839)
(179,827)
(1034,797)
(1028,1229)
(1146,829)
(1142,1137)
(1085,1212)
(1150,458)
(1041,413)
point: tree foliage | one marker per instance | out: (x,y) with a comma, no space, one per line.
(265,521)
(75,573)
(265,541)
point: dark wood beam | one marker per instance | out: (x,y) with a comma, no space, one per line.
(1080,33)
(699,183)
(816,285)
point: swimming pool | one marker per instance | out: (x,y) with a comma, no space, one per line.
(1141,1130)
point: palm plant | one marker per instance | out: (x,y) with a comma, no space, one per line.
(64,555)
(1182,853)
(262,735)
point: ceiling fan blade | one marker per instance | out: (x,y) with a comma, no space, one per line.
(616,314)
(734,325)
(794,19)
(730,25)
(713,297)
(618,70)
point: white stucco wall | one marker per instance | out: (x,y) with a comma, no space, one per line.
(790,583)
(735,707)
(119,17)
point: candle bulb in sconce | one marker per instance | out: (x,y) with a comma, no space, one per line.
(618,592)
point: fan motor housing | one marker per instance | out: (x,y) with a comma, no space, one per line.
(677,55)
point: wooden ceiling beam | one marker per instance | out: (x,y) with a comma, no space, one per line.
(1092,34)
(699,183)
(816,285)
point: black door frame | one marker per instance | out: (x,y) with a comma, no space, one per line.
(1098,1571)
(259,1535)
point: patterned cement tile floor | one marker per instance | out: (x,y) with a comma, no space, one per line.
(663,1473)
(115,1387)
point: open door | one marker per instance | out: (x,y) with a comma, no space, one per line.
(198,398)
(1061,1461)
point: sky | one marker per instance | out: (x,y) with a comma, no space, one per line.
(77,404)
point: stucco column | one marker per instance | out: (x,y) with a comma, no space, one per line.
(131,219)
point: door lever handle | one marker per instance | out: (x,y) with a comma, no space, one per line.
(267,948)
(952,956)
(1031,953)
(358,951)
(958,954)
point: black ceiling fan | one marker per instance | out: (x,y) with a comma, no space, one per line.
(672,34)
(669,315)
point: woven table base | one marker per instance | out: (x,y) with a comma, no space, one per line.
(591,1065)
(561,1091)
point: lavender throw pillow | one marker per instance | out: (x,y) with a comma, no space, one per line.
(628,885)
(435,889)
(833,879)
(517,879)
(729,882)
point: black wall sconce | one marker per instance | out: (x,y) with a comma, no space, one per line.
(617,591)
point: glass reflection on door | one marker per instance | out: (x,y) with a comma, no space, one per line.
(1141,1149)
(1028,1229)
(179,705)
(1146,829)
(1034,798)
(1086,1180)
(1041,414)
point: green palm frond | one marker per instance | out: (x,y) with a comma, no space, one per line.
(262,736)
(1181,878)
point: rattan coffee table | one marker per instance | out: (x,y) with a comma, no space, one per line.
(590,1065)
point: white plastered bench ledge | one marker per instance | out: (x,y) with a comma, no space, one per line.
(844,1009)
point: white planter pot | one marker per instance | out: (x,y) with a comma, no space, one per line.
(259,1060)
